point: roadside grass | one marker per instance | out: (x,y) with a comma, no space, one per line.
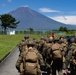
(9,42)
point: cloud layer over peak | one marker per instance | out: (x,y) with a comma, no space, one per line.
(47,10)
(66,19)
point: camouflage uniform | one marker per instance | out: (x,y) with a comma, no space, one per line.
(42,47)
(69,55)
(20,61)
(23,43)
(57,58)
(26,37)
(20,46)
(73,59)
(48,56)
(64,46)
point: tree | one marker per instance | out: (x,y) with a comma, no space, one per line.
(7,21)
(63,29)
(31,30)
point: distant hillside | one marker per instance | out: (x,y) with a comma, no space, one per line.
(29,18)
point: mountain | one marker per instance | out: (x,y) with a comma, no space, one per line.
(30,18)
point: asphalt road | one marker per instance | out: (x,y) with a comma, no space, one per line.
(7,66)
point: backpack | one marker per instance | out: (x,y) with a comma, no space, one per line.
(56,52)
(30,62)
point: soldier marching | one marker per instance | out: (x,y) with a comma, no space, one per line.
(55,56)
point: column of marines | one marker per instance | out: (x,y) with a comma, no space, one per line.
(47,56)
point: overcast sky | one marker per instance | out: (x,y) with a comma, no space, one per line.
(60,10)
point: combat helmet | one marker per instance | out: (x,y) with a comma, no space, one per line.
(26,36)
(30,43)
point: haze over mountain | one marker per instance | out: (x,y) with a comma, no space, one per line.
(29,18)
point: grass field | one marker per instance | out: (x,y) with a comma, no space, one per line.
(9,42)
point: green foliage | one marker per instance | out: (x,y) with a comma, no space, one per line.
(63,29)
(7,21)
(31,30)
(71,32)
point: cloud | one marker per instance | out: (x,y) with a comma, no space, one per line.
(47,10)
(65,19)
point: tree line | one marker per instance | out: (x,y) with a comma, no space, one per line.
(8,21)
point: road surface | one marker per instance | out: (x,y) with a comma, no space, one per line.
(7,66)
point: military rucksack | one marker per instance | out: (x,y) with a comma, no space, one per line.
(30,62)
(56,51)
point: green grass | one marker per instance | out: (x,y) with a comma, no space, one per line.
(9,42)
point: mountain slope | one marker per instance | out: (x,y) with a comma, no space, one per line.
(31,19)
